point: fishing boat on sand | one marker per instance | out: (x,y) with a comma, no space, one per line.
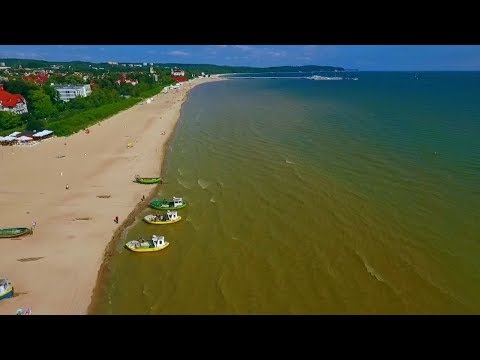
(24,312)
(155,244)
(6,289)
(176,204)
(170,218)
(14,232)
(147,180)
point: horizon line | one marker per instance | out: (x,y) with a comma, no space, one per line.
(245,66)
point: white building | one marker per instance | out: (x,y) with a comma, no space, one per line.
(177,72)
(68,92)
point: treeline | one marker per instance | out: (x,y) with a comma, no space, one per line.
(192,68)
(46,111)
(219,69)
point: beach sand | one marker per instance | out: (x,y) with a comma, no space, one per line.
(55,269)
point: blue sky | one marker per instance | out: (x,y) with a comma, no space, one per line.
(363,57)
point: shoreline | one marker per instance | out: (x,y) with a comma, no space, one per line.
(59,269)
(104,271)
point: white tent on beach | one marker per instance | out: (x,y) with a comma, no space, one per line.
(43,133)
(7,138)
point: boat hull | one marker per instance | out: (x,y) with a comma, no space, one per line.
(145,250)
(7,294)
(14,232)
(162,222)
(155,205)
(148,180)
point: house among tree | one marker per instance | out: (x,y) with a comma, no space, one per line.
(123,80)
(12,102)
(177,72)
(68,91)
(38,79)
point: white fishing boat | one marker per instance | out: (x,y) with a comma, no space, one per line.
(318,77)
(170,218)
(6,289)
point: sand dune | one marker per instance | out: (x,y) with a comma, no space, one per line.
(55,269)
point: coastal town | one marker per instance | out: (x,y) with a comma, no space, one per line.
(58,99)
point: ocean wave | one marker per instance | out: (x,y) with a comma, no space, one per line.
(203,183)
(188,220)
(185,184)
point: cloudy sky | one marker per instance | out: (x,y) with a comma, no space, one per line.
(363,57)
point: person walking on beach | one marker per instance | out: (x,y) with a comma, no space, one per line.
(67,187)
(143,197)
(34,224)
(116,219)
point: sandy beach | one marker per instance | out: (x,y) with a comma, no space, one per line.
(54,271)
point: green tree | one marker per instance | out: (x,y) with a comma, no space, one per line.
(41,104)
(9,120)
(35,124)
(73,79)
(52,93)
(27,117)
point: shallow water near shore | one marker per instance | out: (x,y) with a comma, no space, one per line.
(315,197)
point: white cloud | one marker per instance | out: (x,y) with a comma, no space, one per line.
(78,47)
(243,47)
(21,55)
(277,53)
(178,53)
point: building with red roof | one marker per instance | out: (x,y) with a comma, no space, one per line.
(12,102)
(38,79)
(179,79)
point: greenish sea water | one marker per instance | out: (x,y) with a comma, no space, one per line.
(316,197)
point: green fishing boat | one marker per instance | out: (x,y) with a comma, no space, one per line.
(177,203)
(14,232)
(147,180)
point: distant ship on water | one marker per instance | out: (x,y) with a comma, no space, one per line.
(318,77)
